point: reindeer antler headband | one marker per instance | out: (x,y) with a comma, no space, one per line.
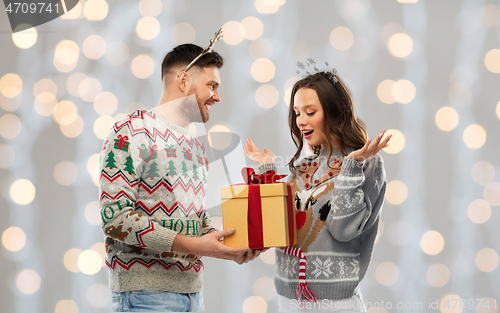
(218,36)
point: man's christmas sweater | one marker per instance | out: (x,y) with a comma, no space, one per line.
(152,186)
(337,211)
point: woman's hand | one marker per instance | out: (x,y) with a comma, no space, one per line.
(255,155)
(368,149)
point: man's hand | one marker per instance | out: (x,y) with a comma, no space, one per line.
(209,245)
(249,256)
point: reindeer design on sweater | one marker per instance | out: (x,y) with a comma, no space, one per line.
(304,201)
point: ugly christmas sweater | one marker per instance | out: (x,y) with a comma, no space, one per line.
(337,214)
(152,186)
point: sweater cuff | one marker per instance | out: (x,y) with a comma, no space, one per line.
(351,167)
(264,168)
(162,239)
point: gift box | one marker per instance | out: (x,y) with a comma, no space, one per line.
(261,211)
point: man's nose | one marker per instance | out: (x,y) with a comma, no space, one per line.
(216,96)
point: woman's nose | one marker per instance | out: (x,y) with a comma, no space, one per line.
(301,120)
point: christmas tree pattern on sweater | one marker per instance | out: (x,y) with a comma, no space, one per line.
(148,195)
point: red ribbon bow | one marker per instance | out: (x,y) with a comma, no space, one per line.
(268,177)
(122,138)
(254,217)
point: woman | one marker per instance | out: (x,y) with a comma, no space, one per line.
(338,194)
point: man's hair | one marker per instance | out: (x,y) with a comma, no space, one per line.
(182,55)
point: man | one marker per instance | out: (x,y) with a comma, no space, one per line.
(152,192)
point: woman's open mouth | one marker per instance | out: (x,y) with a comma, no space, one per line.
(308,133)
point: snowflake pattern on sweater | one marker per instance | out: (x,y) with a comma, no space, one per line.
(337,211)
(145,201)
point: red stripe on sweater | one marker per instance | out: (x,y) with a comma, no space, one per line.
(128,266)
(170,189)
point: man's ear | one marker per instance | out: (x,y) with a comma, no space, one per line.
(183,81)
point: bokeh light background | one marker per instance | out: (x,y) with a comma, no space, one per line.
(428,71)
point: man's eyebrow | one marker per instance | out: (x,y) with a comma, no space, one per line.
(213,82)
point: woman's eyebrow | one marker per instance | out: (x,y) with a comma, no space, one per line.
(306,106)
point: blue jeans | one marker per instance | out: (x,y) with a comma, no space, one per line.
(157,301)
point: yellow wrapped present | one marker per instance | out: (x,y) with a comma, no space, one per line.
(261,211)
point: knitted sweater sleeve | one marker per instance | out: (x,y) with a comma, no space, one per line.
(207,226)
(118,188)
(357,198)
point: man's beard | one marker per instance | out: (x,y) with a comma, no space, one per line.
(203,112)
(194,108)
